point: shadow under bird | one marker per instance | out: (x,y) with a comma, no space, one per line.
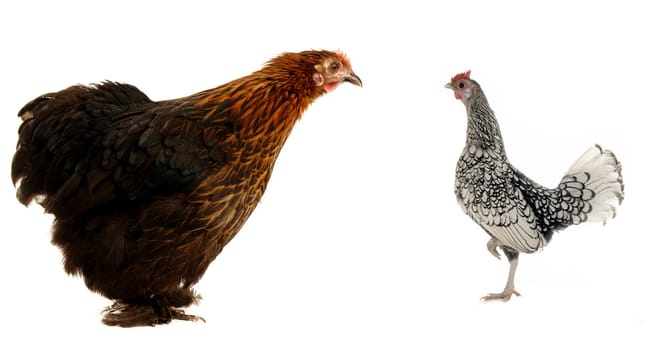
(146,194)
(519,215)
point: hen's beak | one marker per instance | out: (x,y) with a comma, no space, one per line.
(448,86)
(353,78)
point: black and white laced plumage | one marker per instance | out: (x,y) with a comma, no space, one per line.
(518,214)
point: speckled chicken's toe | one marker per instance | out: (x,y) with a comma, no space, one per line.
(503,296)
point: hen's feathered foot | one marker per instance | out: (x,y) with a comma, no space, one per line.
(134,315)
(158,309)
(178,314)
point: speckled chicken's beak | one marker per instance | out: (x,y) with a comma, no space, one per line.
(449,86)
(353,78)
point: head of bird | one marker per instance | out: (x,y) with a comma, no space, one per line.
(462,86)
(311,73)
(332,70)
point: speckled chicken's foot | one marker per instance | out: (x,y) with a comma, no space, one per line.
(509,289)
(503,296)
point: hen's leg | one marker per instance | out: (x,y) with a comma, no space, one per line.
(167,306)
(509,290)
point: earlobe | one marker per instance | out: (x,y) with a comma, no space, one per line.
(318,79)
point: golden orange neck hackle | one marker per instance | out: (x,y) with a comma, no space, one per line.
(272,98)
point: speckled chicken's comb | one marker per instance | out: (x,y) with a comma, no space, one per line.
(461,76)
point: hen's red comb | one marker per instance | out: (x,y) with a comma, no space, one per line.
(461,76)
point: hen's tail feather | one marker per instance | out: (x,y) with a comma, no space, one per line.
(599,172)
(57,131)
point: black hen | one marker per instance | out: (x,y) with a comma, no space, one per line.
(146,194)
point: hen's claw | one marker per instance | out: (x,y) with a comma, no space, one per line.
(178,314)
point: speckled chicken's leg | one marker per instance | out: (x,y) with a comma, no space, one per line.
(513,259)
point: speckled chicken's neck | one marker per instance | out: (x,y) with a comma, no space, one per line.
(482,126)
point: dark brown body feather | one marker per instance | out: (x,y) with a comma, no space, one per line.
(146,194)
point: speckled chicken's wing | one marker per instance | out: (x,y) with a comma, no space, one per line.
(487,194)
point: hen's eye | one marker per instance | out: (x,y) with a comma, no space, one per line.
(461,85)
(334,66)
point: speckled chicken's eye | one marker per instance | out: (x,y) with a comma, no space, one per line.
(461,85)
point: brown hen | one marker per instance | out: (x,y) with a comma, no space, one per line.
(146,194)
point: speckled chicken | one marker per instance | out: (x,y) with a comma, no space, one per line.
(146,194)
(519,215)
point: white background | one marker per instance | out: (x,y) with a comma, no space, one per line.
(358,242)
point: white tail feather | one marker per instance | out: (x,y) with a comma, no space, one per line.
(604,178)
